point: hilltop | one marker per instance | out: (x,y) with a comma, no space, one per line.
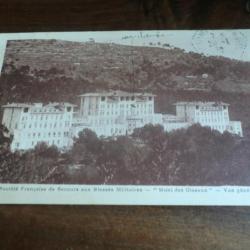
(120,66)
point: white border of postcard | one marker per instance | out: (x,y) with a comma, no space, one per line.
(119,194)
(123,195)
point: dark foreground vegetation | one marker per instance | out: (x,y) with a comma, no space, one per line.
(193,156)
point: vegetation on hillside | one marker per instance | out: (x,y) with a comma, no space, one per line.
(193,156)
(113,65)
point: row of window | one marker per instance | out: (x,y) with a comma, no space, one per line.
(101,122)
(44,125)
(208,108)
(137,105)
(34,143)
(212,119)
(46,117)
(49,110)
(124,98)
(213,113)
(49,134)
(128,112)
(218,127)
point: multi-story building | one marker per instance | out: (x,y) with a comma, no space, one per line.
(115,113)
(107,114)
(211,114)
(30,124)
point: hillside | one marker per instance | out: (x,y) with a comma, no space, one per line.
(55,70)
(122,66)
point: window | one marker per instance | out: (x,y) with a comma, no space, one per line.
(25,110)
(197,106)
(132,98)
(68,109)
(122,98)
(127,98)
(150,98)
(103,98)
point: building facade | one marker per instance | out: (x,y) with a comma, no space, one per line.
(115,113)
(210,114)
(107,114)
(30,124)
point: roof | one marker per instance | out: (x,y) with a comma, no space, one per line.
(17,105)
(117,93)
(64,104)
(39,105)
(201,104)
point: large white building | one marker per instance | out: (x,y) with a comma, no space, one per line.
(30,124)
(108,114)
(115,113)
(210,114)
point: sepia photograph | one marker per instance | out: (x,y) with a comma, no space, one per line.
(169,108)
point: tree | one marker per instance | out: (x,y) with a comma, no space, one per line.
(155,142)
(89,138)
(44,150)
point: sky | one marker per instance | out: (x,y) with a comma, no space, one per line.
(234,44)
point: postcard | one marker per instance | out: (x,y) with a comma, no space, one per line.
(125,117)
